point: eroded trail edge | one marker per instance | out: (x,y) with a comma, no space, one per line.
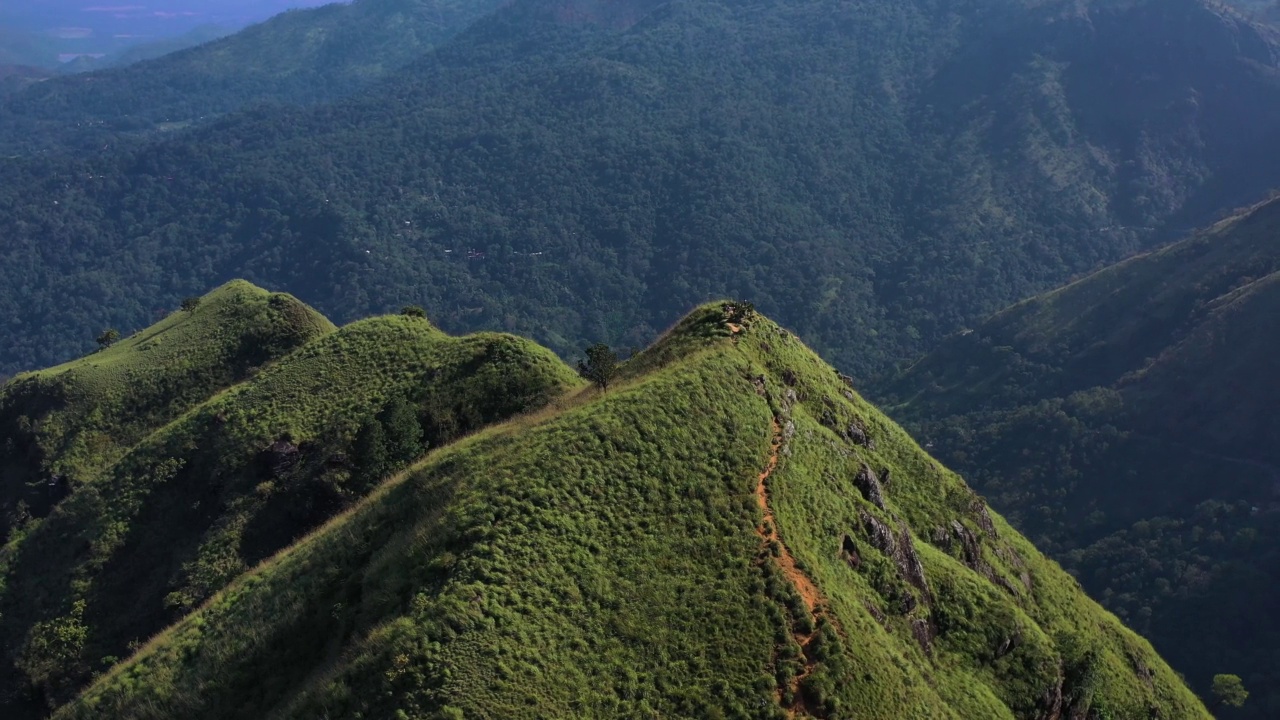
(804,586)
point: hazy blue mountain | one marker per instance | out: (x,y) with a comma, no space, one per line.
(104,28)
(303,56)
(147,50)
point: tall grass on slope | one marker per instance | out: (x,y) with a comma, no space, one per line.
(604,561)
(75,419)
(240,476)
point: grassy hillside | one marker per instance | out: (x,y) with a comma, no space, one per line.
(64,426)
(233,478)
(875,174)
(1127,423)
(730,531)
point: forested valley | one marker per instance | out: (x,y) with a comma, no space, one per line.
(1126,423)
(875,174)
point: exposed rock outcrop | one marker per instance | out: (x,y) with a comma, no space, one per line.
(900,548)
(869,485)
(281,457)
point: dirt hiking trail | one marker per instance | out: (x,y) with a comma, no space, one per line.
(805,587)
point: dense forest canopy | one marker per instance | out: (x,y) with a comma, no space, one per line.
(1127,423)
(876,174)
(297,57)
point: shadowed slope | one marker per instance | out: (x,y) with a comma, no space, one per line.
(65,425)
(1127,422)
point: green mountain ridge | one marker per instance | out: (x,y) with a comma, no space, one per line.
(69,421)
(1126,422)
(190,495)
(729,531)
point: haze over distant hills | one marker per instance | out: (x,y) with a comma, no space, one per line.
(50,32)
(298,57)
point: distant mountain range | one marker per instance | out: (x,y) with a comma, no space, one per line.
(298,57)
(64,29)
(146,50)
(580,173)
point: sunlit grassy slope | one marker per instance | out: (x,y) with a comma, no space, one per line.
(610,557)
(163,524)
(78,417)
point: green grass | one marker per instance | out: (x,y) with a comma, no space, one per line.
(79,417)
(600,559)
(196,503)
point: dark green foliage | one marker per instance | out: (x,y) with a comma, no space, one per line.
(875,174)
(387,442)
(299,57)
(403,431)
(369,452)
(108,337)
(601,559)
(1127,423)
(1229,690)
(413,311)
(739,311)
(600,365)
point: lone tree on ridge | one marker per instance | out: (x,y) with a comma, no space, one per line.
(1229,690)
(108,338)
(600,367)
